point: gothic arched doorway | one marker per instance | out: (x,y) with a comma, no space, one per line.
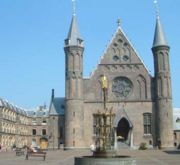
(123,130)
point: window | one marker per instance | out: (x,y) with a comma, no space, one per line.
(150,142)
(94,125)
(175,135)
(62,107)
(44,122)
(178,120)
(34,132)
(147,123)
(122,87)
(43,131)
(34,122)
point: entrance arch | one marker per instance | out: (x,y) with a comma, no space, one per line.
(123,130)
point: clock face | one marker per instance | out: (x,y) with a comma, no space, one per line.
(122,87)
(125,58)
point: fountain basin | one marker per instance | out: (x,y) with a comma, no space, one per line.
(117,160)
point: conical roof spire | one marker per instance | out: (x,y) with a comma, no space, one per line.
(159,37)
(73,35)
(73,38)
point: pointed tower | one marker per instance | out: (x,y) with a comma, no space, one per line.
(163,94)
(74,87)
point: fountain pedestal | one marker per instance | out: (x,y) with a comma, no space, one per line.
(104,152)
(119,160)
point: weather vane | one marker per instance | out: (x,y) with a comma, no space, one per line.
(74,7)
(157,8)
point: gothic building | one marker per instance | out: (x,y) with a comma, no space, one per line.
(142,102)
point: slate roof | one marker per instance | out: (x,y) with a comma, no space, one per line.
(57,106)
(41,113)
(38,113)
(159,37)
(74,34)
(30,113)
(5,103)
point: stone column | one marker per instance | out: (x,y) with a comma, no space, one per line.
(115,138)
(131,140)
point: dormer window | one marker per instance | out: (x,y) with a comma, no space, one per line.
(67,42)
(79,42)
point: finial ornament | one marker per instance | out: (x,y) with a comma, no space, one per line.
(157,8)
(74,7)
(119,22)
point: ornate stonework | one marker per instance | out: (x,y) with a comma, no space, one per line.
(122,87)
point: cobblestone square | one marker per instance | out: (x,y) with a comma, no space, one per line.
(60,157)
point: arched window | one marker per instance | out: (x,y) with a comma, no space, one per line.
(160,87)
(142,91)
(147,121)
(98,90)
(161,61)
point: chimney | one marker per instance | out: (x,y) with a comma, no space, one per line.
(52,95)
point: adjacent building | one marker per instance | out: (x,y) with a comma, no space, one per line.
(176,126)
(15,125)
(39,127)
(42,127)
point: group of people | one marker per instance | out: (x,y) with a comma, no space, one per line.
(33,148)
(3,148)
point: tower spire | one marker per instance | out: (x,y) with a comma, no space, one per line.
(74,6)
(74,86)
(157,8)
(73,38)
(162,84)
(159,36)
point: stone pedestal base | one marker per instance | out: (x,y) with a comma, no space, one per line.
(118,160)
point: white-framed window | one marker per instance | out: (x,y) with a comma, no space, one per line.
(147,121)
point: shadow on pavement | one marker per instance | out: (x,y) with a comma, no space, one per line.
(173,152)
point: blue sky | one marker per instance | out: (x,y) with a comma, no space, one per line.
(32,34)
